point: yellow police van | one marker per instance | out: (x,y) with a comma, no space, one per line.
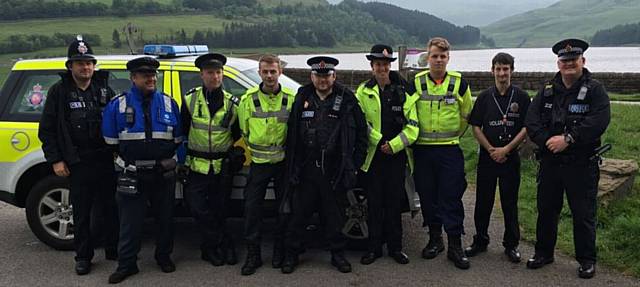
(27,181)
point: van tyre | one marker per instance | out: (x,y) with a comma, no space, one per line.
(49,212)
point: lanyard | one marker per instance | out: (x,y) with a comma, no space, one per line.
(504,114)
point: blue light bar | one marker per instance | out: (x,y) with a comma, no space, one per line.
(175,50)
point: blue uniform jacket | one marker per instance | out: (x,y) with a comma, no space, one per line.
(135,142)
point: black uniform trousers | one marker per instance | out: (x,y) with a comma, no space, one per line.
(315,189)
(160,193)
(384,183)
(92,194)
(440,183)
(206,195)
(260,175)
(580,182)
(507,177)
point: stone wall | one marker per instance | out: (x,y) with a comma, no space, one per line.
(614,82)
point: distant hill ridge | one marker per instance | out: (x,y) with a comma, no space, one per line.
(567,18)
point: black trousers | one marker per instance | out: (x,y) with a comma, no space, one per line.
(580,183)
(260,175)
(384,185)
(207,196)
(92,194)
(440,181)
(160,193)
(507,177)
(315,189)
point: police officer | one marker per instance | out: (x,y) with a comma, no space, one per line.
(566,120)
(263,114)
(72,143)
(443,107)
(209,119)
(326,143)
(388,103)
(498,125)
(145,124)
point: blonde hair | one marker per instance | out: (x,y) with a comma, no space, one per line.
(439,42)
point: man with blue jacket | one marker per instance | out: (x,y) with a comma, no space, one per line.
(145,125)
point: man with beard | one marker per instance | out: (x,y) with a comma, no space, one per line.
(326,143)
(72,143)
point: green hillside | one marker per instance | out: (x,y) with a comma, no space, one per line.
(567,18)
(267,3)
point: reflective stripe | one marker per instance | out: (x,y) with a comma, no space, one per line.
(203,148)
(192,104)
(440,135)
(426,97)
(122,101)
(167,104)
(111,140)
(268,156)
(162,135)
(452,85)
(266,148)
(141,135)
(177,140)
(125,136)
(404,139)
(281,115)
(205,127)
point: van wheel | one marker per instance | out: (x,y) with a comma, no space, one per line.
(50,214)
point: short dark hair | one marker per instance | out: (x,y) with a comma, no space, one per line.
(504,59)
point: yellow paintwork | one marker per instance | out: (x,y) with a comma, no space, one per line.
(27,133)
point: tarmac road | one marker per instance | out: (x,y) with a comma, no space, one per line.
(25,261)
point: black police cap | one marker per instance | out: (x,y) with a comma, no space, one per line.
(143,64)
(211,60)
(80,50)
(322,64)
(381,52)
(569,48)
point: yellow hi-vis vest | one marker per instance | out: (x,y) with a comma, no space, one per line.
(263,121)
(369,100)
(442,112)
(206,134)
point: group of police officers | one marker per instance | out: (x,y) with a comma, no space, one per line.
(317,145)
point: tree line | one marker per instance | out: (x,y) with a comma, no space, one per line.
(29,43)
(618,35)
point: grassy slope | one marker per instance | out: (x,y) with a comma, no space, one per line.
(618,223)
(567,18)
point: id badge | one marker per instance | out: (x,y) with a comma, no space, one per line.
(449,100)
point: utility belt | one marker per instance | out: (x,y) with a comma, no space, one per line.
(128,179)
(207,155)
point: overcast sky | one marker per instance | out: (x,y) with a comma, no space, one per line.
(469,12)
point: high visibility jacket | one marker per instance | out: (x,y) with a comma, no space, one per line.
(442,111)
(263,121)
(369,99)
(209,138)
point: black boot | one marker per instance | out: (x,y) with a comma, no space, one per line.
(479,245)
(290,262)
(455,252)
(435,245)
(254,260)
(230,256)
(213,255)
(278,254)
(341,263)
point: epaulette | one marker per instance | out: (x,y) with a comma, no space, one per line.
(193,90)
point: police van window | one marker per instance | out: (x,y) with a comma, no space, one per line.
(28,102)
(190,80)
(120,81)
